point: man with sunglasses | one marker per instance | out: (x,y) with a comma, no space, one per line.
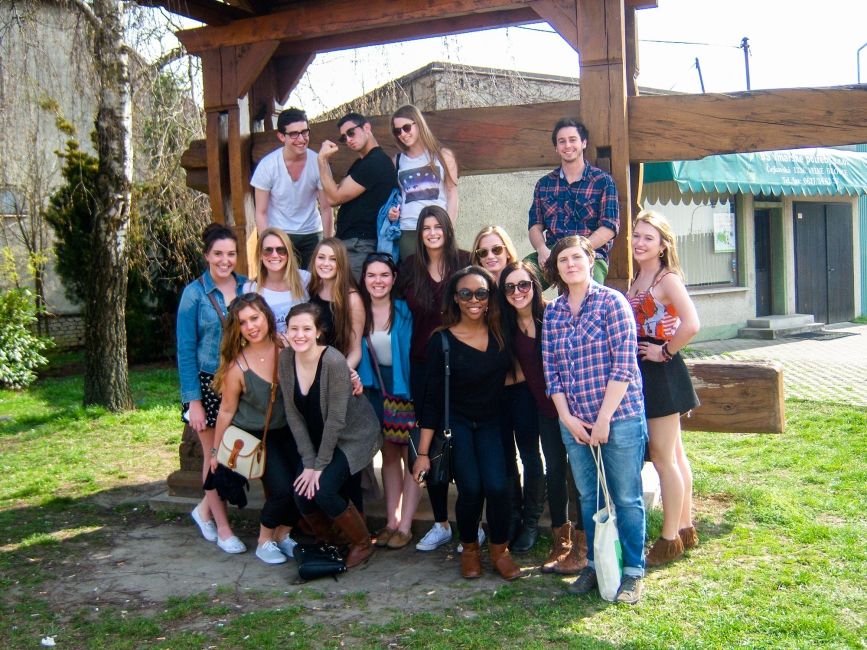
(574,199)
(288,189)
(362,192)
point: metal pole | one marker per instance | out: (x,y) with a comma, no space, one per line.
(858,59)
(745,46)
(700,80)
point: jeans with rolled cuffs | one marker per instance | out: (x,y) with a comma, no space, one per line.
(623,458)
(330,497)
(479,465)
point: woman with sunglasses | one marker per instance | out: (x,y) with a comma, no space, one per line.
(493,249)
(201,313)
(523,308)
(589,353)
(385,355)
(423,279)
(337,433)
(478,363)
(280,282)
(667,321)
(248,360)
(426,172)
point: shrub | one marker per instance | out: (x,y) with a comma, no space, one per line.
(19,348)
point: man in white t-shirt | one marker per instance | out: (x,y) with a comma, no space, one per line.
(288,187)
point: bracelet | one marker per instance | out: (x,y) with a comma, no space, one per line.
(666,355)
(213,452)
(420,454)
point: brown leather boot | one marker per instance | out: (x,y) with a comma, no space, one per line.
(352,525)
(503,562)
(689,537)
(576,558)
(560,547)
(664,551)
(471,561)
(320,526)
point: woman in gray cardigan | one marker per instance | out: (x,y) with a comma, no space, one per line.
(337,433)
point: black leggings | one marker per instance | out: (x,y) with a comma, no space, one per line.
(328,497)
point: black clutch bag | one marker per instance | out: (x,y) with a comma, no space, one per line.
(318,561)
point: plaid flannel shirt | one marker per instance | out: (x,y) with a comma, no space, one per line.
(578,208)
(581,354)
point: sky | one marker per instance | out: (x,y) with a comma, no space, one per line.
(793,43)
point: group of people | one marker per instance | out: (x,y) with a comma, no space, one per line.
(346,329)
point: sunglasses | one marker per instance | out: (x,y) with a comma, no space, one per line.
(282,251)
(294,135)
(482,253)
(238,303)
(406,128)
(379,257)
(523,286)
(465,295)
(349,133)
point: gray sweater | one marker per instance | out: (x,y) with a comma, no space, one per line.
(350,422)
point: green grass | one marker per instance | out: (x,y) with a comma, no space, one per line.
(781,562)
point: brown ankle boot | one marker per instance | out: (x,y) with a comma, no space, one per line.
(320,525)
(689,537)
(503,562)
(664,551)
(352,525)
(576,559)
(471,561)
(560,547)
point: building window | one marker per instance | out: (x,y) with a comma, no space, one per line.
(707,240)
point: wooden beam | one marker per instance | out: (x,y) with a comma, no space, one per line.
(410,31)
(288,71)
(210,12)
(686,127)
(561,15)
(326,18)
(252,59)
(217,165)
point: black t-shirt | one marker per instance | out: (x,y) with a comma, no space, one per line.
(375,172)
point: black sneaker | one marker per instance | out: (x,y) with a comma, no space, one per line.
(630,590)
(584,583)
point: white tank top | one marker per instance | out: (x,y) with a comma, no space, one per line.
(420,187)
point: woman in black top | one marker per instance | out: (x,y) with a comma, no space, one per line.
(478,361)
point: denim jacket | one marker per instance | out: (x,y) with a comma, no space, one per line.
(199,333)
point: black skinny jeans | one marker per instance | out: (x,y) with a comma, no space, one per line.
(556,469)
(281,462)
(438,494)
(332,481)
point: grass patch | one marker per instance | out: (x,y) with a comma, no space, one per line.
(780,563)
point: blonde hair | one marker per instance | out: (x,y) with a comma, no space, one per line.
(431,145)
(666,235)
(290,274)
(511,252)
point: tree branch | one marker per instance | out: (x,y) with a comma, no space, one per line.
(87,12)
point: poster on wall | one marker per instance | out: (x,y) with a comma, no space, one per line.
(723,232)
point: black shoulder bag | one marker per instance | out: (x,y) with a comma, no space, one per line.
(440,450)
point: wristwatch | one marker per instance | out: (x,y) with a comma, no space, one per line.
(213,452)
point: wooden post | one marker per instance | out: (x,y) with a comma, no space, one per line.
(601,43)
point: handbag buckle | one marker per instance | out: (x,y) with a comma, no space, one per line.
(236,449)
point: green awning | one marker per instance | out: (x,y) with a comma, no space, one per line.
(796,172)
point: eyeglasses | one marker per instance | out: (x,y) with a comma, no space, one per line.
(349,133)
(523,286)
(465,295)
(482,253)
(294,135)
(406,128)
(282,251)
(379,257)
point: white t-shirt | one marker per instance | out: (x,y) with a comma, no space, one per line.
(281,302)
(292,205)
(419,187)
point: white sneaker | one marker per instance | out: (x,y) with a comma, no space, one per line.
(287,546)
(270,553)
(231,545)
(435,537)
(482,539)
(208,528)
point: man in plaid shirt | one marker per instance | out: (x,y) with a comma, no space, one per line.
(574,199)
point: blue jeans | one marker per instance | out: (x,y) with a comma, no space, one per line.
(623,457)
(480,474)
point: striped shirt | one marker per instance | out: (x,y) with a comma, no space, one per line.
(582,353)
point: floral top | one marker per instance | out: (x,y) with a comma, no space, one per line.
(653,319)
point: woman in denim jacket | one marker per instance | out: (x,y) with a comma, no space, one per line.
(201,313)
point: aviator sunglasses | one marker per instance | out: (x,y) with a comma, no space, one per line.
(280,250)
(465,295)
(349,133)
(406,128)
(522,286)
(482,253)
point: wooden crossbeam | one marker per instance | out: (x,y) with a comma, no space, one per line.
(211,12)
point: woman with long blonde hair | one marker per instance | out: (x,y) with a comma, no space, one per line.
(248,365)
(667,320)
(279,280)
(493,249)
(427,174)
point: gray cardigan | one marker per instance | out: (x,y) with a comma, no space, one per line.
(350,422)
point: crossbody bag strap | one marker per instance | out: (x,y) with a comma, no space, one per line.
(447,428)
(213,302)
(375,364)
(274,386)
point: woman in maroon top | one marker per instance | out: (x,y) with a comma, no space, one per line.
(522,308)
(423,279)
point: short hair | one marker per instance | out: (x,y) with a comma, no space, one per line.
(565,123)
(551,272)
(289,116)
(356,118)
(213,233)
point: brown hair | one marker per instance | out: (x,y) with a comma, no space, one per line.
(344,284)
(431,145)
(418,276)
(233,341)
(551,272)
